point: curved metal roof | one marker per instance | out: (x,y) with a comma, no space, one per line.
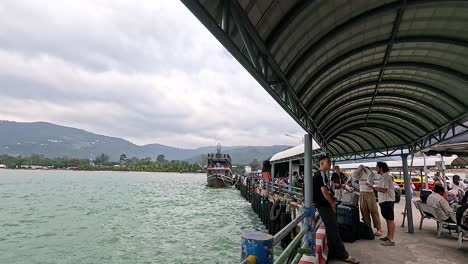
(361,76)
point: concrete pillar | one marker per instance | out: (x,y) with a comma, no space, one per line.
(290,175)
(442,168)
(272,177)
(408,196)
(309,221)
(425,172)
(308,182)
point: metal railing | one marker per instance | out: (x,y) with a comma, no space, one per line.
(287,229)
(290,248)
(268,189)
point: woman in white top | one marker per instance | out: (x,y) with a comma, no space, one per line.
(367,202)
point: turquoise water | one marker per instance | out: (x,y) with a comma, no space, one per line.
(119,217)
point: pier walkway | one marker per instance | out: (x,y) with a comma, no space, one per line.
(420,247)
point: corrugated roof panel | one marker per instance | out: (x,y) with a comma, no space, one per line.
(370,65)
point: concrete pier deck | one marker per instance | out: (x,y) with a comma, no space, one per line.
(420,247)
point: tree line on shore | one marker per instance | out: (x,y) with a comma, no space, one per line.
(102,162)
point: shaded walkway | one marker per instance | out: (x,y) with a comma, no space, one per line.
(420,247)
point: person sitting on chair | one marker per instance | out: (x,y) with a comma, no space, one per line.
(437,200)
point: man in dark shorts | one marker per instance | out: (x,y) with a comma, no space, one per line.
(327,211)
(386,195)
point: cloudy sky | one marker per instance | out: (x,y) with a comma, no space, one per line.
(147,71)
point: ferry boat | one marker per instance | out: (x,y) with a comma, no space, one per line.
(219,170)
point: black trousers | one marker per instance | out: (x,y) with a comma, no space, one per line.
(336,248)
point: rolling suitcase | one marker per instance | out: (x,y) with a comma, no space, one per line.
(347,215)
(348,222)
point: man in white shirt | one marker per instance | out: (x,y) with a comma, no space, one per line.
(437,200)
(386,196)
(458,188)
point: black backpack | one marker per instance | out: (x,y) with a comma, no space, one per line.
(397,195)
(365,231)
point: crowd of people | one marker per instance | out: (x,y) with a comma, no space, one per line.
(455,200)
(364,180)
(296,182)
(376,191)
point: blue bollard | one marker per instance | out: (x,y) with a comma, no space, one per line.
(259,245)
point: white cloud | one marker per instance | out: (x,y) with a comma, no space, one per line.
(147,71)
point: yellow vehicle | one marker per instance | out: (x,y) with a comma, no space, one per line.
(418,181)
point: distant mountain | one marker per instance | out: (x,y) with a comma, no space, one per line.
(50,140)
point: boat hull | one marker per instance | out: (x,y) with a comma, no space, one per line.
(219,181)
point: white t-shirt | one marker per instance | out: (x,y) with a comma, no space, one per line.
(386,182)
(363,184)
(455,188)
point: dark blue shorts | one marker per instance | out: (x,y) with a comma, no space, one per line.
(386,209)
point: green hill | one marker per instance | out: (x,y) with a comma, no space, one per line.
(50,140)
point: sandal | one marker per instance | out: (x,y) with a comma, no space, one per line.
(384,239)
(388,243)
(378,233)
(351,260)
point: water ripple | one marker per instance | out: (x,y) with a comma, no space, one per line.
(104,217)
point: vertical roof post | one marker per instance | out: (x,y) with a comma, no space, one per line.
(408,193)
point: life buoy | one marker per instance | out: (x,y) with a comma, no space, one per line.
(275,210)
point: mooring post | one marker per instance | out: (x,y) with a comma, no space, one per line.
(259,245)
(309,220)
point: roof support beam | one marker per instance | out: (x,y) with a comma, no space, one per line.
(396,26)
(226,16)
(432,136)
(246,40)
